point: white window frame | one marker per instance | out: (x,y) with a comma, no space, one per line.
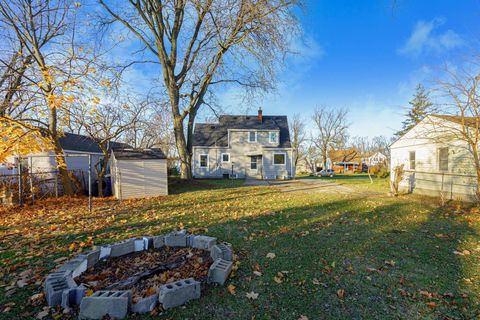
(248,137)
(256,163)
(439,160)
(270,136)
(200,160)
(284,158)
(226,153)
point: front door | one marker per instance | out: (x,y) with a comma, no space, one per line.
(255,168)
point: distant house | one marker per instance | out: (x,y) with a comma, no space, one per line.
(344,160)
(435,160)
(376,159)
(138,173)
(76,149)
(238,146)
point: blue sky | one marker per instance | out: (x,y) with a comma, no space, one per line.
(363,56)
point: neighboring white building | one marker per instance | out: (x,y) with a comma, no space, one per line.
(435,159)
(376,159)
(138,173)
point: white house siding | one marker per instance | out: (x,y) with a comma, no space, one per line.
(139,178)
(240,151)
(458,182)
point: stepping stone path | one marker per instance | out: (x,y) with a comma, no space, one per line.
(61,289)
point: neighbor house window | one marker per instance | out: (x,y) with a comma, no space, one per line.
(253,163)
(273,137)
(411,158)
(225,157)
(203,160)
(279,158)
(252,136)
(443,159)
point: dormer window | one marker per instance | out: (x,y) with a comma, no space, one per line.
(252,136)
(273,137)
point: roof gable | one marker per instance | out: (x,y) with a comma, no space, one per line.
(216,134)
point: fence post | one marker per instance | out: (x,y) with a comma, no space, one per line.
(20,185)
(90,182)
(31,180)
(56,184)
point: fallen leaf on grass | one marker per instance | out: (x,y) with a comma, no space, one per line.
(257,273)
(42,314)
(271,255)
(252,295)
(231,288)
(390,263)
(431,304)
(341,294)
(302,317)
(277,280)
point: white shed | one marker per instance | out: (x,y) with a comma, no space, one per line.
(138,173)
(435,159)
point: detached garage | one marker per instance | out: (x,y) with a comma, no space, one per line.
(138,173)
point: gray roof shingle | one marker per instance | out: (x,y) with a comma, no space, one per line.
(216,134)
(139,154)
(78,142)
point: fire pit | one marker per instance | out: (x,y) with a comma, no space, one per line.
(136,274)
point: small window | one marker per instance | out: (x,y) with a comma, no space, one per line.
(411,158)
(225,157)
(203,160)
(253,163)
(273,137)
(443,159)
(279,158)
(252,136)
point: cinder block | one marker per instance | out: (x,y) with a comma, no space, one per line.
(54,287)
(176,239)
(204,242)
(219,271)
(55,276)
(92,257)
(73,296)
(190,238)
(105,252)
(221,251)
(122,248)
(178,293)
(76,266)
(148,243)
(158,241)
(139,244)
(145,305)
(102,303)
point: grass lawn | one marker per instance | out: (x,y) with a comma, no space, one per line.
(340,256)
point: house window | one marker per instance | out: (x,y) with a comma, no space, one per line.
(225,157)
(279,158)
(273,137)
(253,163)
(252,136)
(203,160)
(443,159)
(411,158)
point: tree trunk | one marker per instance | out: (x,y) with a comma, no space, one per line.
(324,155)
(62,168)
(183,153)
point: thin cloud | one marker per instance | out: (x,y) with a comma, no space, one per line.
(424,39)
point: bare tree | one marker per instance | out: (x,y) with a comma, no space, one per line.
(200,44)
(105,123)
(52,65)
(298,137)
(331,129)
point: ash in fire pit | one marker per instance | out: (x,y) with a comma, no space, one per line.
(136,274)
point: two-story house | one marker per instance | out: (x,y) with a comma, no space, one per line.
(255,146)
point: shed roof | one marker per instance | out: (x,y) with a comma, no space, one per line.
(78,142)
(216,134)
(139,154)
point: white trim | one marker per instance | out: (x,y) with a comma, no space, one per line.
(221,157)
(200,160)
(270,136)
(284,159)
(248,136)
